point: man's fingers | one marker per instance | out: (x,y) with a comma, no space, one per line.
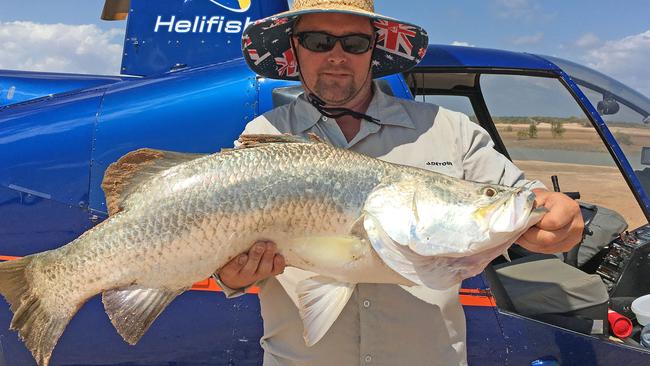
(261,262)
(266,263)
(278,264)
(254,256)
(552,222)
(562,211)
(234,266)
(562,246)
(543,241)
(544,237)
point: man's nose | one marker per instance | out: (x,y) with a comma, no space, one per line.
(337,56)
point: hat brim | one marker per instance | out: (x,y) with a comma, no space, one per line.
(267,48)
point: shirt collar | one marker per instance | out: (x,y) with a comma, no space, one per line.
(382,107)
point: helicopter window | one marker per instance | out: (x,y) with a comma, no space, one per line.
(452,102)
(435,88)
(630,125)
(547,134)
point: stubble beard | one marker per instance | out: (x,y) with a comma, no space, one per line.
(334,93)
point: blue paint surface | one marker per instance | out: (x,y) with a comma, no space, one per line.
(54,151)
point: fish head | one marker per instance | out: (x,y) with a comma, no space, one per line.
(454,218)
(476,217)
(513,210)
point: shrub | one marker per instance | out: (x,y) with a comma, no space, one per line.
(623,138)
(532,131)
(522,135)
(557,128)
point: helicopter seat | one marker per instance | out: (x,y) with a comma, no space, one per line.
(543,287)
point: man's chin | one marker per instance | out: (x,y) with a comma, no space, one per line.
(334,93)
(334,98)
(335,101)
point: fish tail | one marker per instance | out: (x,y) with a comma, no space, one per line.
(39,326)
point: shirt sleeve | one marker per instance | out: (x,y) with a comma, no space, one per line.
(482,163)
(230,292)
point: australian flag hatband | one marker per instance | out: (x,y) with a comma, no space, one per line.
(267,48)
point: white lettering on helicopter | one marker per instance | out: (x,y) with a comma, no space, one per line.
(201,24)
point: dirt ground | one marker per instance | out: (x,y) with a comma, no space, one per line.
(599,185)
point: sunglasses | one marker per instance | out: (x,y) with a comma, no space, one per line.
(323,42)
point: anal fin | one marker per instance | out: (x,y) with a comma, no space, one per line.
(133,309)
(320,302)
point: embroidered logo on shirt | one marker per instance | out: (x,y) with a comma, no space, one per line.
(440,163)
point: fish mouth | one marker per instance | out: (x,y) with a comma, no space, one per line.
(536,212)
(513,211)
(534,207)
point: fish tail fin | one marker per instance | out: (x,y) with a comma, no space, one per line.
(39,326)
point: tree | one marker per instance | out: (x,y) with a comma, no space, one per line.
(532,130)
(557,128)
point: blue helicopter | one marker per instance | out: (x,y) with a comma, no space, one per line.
(185,87)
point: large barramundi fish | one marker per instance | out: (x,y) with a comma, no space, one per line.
(176,218)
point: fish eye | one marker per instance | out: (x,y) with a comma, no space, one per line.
(490,192)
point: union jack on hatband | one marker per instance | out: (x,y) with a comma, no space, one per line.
(277,22)
(246,40)
(256,58)
(394,37)
(399,46)
(287,65)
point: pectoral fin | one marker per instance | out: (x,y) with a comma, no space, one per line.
(321,300)
(393,254)
(133,309)
(435,272)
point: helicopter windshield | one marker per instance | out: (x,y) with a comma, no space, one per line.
(625,111)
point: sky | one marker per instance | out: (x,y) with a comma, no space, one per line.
(611,37)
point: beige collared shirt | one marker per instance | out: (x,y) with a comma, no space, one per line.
(383,324)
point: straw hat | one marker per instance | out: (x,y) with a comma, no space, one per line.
(268,52)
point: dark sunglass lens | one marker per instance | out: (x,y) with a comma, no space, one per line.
(317,42)
(356,44)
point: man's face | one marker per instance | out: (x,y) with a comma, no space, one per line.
(335,76)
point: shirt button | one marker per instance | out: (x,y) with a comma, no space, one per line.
(366,303)
(324,119)
(368,359)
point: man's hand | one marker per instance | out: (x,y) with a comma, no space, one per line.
(559,230)
(261,261)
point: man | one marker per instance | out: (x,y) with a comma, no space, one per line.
(336,48)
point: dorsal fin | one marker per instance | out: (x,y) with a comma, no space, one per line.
(315,138)
(248,141)
(131,170)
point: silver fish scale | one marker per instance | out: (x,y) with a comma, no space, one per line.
(182,225)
